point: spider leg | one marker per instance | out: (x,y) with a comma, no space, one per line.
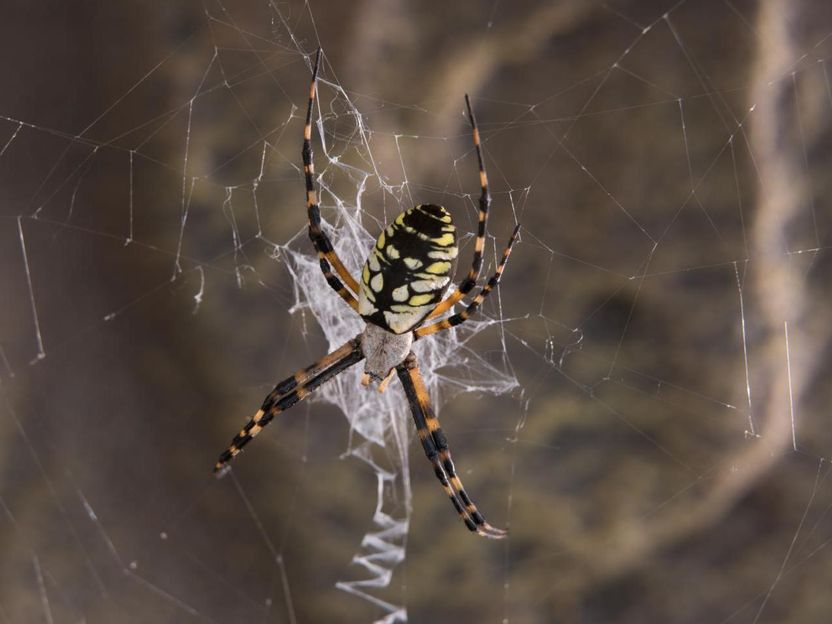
(292,390)
(435,445)
(485,201)
(326,252)
(463,315)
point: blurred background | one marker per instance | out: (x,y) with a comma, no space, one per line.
(644,404)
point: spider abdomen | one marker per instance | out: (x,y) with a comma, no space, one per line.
(408,269)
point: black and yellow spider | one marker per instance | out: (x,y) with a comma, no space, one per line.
(402,284)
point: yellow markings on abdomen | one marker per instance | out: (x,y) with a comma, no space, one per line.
(408,267)
(377,282)
(446,240)
(420,300)
(429,285)
(438,268)
(401,293)
(448,253)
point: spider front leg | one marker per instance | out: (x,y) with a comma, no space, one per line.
(435,445)
(485,201)
(463,316)
(326,252)
(291,391)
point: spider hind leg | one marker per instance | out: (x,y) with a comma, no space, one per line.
(435,445)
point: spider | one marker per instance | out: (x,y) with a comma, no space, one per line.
(400,294)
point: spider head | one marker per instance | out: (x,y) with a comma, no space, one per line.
(383,351)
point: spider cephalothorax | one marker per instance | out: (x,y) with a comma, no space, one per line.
(402,284)
(383,351)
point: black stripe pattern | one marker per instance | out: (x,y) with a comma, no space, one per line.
(408,269)
(290,391)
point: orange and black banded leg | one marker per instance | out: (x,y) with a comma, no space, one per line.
(462,316)
(435,445)
(326,252)
(470,280)
(291,391)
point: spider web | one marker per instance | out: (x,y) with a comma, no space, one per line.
(641,402)
(380,420)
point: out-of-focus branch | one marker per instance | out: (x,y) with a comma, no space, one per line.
(463,66)
(779,297)
(474,60)
(779,290)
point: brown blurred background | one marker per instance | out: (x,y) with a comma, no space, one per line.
(664,458)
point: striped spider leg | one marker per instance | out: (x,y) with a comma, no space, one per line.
(436,449)
(485,201)
(291,391)
(463,315)
(326,252)
(471,279)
